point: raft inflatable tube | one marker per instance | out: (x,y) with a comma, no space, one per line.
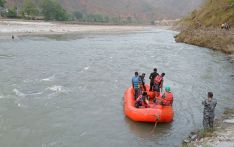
(159,113)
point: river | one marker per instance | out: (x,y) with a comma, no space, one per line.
(67,91)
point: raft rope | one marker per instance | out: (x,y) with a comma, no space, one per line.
(157,118)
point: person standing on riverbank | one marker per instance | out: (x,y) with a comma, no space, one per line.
(208,113)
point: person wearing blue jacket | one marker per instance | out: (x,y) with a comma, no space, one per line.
(135,84)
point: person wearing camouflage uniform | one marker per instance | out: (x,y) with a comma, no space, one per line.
(208,113)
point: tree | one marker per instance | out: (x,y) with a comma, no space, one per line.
(95,18)
(78,15)
(12,13)
(2,3)
(106,19)
(129,19)
(29,9)
(52,10)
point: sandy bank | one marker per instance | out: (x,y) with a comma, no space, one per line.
(19,27)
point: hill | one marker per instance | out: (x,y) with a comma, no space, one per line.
(212,14)
(203,27)
(142,10)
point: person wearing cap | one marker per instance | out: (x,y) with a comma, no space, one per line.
(167,97)
(151,77)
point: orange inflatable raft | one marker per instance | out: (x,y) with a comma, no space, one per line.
(157,113)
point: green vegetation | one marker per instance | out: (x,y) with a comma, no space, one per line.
(52,10)
(78,15)
(48,9)
(99,18)
(2,3)
(12,13)
(29,10)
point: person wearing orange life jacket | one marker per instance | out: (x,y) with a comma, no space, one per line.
(167,97)
(142,100)
(158,84)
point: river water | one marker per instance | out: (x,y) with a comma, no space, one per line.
(67,91)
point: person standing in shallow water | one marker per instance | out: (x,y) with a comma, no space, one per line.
(208,113)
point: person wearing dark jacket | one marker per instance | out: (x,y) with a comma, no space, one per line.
(143,82)
(151,77)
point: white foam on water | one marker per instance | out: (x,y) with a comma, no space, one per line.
(36,93)
(58,89)
(18,93)
(86,68)
(82,134)
(17,102)
(26,81)
(49,78)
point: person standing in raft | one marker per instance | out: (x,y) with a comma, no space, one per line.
(135,85)
(151,77)
(142,81)
(142,100)
(208,113)
(167,97)
(140,90)
(158,84)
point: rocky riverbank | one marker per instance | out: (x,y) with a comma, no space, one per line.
(222,136)
(203,26)
(213,38)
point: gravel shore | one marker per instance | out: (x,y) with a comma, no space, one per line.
(22,27)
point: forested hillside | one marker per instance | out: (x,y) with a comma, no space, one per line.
(131,10)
